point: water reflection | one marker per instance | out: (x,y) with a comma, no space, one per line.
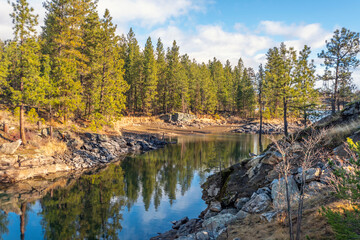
(133,199)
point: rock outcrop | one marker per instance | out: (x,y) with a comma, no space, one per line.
(84,152)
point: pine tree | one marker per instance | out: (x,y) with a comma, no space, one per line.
(174,75)
(112,85)
(161,76)
(24,52)
(306,95)
(218,77)
(208,91)
(149,91)
(133,72)
(279,77)
(4,64)
(340,57)
(64,43)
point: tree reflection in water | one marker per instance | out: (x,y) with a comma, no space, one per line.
(92,206)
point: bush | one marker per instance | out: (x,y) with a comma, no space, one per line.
(346,223)
(33,117)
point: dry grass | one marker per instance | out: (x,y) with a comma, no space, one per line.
(337,135)
(53,147)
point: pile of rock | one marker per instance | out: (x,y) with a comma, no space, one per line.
(84,151)
(267,128)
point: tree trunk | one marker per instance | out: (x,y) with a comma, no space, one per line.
(289,208)
(285,117)
(260,131)
(22,124)
(335,97)
(305,118)
(22,221)
(301,204)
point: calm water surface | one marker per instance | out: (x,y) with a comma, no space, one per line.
(133,199)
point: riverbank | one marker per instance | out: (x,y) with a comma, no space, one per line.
(247,200)
(81,151)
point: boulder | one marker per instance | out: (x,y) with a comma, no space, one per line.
(258,203)
(314,188)
(232,211)
(241,214)
(240,202)
(218,222)
(215,206)
(278,192)
(10,148)
(311,174)
(272,158)
(268,216)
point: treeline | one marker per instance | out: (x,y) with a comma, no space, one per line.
(78,67)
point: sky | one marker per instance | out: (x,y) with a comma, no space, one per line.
(225,29)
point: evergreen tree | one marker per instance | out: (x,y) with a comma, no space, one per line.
(306,98)
(161,76)
(64,42)
(24,51)
(339,59)
(4,64)
(279,77)
(173,74)
(218,77)
(133,72)
(149,91)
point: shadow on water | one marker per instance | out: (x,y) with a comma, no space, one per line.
(132,199)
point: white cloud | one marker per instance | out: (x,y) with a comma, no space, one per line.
(148,12)
(210,41)
(296,35)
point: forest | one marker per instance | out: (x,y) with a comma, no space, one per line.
(78,67)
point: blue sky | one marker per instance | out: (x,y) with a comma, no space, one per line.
(227,29)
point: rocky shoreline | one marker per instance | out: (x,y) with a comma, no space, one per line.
(85,151)
(254,187)
(267,128)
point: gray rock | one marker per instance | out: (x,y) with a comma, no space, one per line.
(232,211)
(240,202)
(278,192)
(272,159)
(311,174)
(326,176)
(213,190)
(10,148)
(314,188)
(215,206)
(210,214)
(187,228)
(265,190)
(218,222)
(182,221)
(203,235)
(269,216)
(258,203)
(241,214)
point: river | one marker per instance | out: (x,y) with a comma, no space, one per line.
(132,199)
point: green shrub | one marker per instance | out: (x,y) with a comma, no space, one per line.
(32,115)
(346,223)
